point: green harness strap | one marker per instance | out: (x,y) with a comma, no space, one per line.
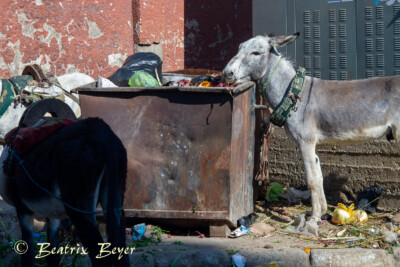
(13,87)
(7,96)
(20,82)
(282,111)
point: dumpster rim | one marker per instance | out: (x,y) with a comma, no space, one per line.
(230,90)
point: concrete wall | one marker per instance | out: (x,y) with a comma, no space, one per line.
(89,36)
(347,169)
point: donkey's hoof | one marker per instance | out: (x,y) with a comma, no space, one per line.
(311,226)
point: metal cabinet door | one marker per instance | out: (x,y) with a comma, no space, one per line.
(378,39)
(327,47)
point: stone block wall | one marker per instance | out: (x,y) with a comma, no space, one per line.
(347,169)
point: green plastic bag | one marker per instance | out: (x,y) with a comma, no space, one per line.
(142,79)
(273,191)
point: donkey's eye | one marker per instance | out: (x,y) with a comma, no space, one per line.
(255,53)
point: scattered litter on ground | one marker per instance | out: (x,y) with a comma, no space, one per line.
(261,229)
(341,233)
(368,199)
(242,230)
(301,226)
(293,195)
(247,220)
(271,264)
(155,232)
(396,218)
(284,216)
(390,237)
(200,234)
(138,231)
(274,189)
(239,260)
(128,231)
(347,215)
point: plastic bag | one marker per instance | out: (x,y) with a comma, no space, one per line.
(146,62)
(344,215)
(301,226)
(273,191)
(142,79)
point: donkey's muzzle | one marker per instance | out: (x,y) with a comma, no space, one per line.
(228,76)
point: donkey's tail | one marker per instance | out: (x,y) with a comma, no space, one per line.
(115,174)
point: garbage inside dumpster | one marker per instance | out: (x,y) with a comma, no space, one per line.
(142,79)
(149,63)
(214,80)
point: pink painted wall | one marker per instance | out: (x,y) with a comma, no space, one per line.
(89,36)
(162,21)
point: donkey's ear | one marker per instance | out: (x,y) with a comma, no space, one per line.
(279,41)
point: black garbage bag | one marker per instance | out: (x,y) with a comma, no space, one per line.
(368,195)
(248,220)
(146,62)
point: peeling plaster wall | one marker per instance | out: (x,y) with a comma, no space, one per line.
(96,36)
(162,22)
(89,36)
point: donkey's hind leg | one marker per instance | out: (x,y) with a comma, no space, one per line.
(52,226)
(89,235)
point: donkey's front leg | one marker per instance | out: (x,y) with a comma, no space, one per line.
(26,225)
(314,180)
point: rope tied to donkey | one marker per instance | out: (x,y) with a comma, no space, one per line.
(270,77)
(21,163)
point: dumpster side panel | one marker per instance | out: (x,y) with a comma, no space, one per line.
(242,158)
(179,150)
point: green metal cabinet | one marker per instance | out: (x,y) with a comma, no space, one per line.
(340,39)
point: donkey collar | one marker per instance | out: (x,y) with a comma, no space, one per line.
(283,109)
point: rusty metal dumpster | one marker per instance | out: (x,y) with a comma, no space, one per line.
(190,149)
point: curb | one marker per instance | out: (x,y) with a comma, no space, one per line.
(355,257)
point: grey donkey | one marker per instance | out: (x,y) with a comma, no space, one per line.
(327,111)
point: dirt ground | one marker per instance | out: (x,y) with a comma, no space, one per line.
(371,234)
(279,214)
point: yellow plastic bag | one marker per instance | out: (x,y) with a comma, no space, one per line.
(344,215)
